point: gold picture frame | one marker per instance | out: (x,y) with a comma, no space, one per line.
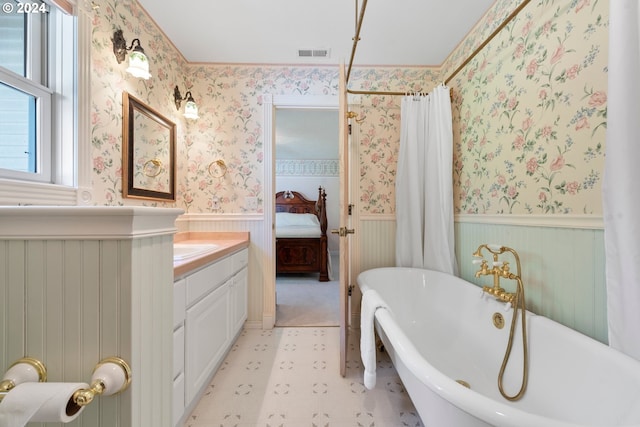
(148,152)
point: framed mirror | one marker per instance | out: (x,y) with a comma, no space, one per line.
(148,152)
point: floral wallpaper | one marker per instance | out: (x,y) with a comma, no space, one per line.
(109,80)
(230,108)
(380,130)
(529,113)
(230,127)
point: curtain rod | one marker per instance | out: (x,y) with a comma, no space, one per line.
(452,75)
(356,38)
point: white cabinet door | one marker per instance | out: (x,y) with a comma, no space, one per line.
(207,338)
(239,300)
(178,351)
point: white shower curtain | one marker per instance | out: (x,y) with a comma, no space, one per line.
(621,196)
(424,184)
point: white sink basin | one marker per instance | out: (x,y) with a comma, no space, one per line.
(182,251)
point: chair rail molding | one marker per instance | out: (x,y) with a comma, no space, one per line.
(85,222)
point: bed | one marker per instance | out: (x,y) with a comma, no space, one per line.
(301,234)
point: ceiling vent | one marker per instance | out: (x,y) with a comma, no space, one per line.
(314,53)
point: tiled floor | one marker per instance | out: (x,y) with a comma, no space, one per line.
(289,377)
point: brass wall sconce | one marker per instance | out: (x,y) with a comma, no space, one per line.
(138,61)
(190,107)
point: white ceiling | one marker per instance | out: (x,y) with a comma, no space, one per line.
(398,32)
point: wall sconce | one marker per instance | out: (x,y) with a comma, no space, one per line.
(138,61)
(190,107)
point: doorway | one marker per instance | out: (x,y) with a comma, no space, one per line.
(306,158)
(270,104)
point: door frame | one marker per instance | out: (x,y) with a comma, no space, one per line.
(270,103)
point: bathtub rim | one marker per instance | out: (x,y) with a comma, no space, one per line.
(475,403)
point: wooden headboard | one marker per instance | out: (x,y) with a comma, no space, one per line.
(294,202)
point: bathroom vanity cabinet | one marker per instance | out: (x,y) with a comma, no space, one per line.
(210,307)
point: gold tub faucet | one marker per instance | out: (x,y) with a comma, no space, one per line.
(517,301)
(497,270)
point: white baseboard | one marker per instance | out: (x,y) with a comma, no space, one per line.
(268,322)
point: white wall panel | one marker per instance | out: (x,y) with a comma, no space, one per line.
(70,303)
(562,266)
(377,242)
(562,270)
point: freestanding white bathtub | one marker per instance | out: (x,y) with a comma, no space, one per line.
(438,329)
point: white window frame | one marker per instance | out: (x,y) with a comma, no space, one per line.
(44,142)
(67,98)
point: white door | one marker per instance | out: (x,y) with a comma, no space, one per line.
(344,230)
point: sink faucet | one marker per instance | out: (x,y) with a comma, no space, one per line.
(497,270)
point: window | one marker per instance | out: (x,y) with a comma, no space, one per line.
(18,129)
(37,93)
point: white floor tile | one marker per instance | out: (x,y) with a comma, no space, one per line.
(290,377)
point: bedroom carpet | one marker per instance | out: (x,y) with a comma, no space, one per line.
(301,300)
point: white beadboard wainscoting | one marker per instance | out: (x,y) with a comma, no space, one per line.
(562,259)
(563,264)
(79,284)
(562,256)
(377,241)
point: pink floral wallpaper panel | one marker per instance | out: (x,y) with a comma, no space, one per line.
(530,114)
(230,128)
(379,132)
(109,80)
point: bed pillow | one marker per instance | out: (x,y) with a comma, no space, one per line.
(287,219)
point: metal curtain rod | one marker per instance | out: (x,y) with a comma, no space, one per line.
(452,75)
(356,38)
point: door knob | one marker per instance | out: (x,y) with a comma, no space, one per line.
(343,231)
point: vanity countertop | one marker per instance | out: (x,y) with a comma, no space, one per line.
(227,242)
